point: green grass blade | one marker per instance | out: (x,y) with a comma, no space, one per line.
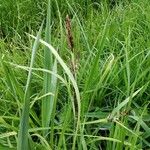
(72,79)
(24,123)
(122,104)
(85,103)
(47,103)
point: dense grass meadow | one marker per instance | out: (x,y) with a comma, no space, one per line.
(75,75)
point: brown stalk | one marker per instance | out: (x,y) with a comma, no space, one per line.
(69,34)
(70,43)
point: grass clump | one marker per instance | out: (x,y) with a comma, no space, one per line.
(82,82)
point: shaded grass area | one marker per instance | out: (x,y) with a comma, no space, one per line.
(92,95)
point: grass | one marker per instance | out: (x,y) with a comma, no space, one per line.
(81,82)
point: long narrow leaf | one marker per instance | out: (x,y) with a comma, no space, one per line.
(71,77)
(47,103)
(24,124)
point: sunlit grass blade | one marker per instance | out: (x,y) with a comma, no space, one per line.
(24,123)
(41,70)
(122,104)
(73,81)
(93,69)
(49,83)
